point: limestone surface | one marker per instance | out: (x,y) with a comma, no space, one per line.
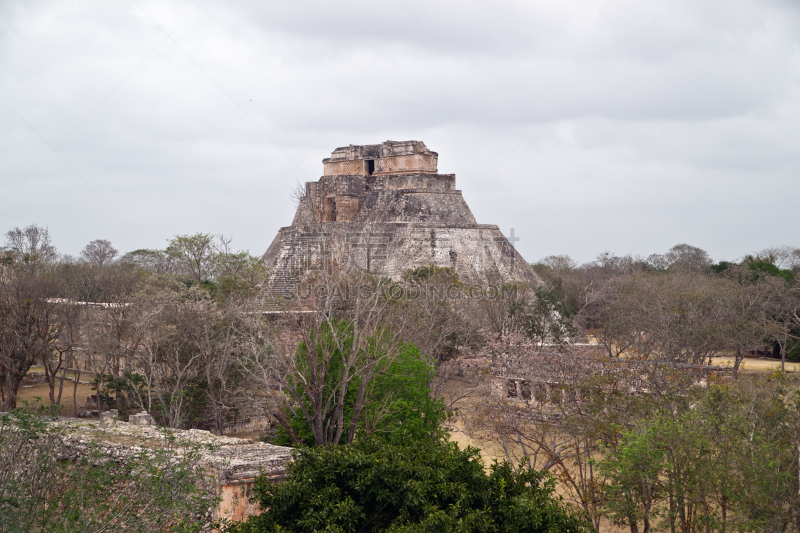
(231,463)
(385,209)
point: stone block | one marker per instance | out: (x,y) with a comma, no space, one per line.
(109,418)
(141,419)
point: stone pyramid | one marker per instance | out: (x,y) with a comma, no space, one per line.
(385,209)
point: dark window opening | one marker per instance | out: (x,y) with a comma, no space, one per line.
(369,165)
(330,210)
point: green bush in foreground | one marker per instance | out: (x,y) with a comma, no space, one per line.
(422,486)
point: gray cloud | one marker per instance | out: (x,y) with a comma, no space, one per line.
(555,122)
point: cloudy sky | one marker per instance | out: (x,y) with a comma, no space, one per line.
(585,125)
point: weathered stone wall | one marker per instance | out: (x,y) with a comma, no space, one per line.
(231,463)
(420,206)
(390,223)
(383,165)
(416,180)
(480,254)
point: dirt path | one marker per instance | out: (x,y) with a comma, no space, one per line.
(34,386)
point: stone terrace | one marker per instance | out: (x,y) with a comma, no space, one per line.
(233,463)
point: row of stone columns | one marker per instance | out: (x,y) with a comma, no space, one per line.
(542,392)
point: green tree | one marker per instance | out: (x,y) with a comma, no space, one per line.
(396,403)
(426,485)
(730,463)
(545,320)
(633,483)
(194,256)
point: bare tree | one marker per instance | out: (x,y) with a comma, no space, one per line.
(754,306)
(212,330)
(64,335)
(604,314)
(658,261)
(239,275)
(676,317)
(28,326)
(787,257)
(30,245)
(685,258)
(166,361)
(441,311)
(559,264)
(99,253)
(113,332)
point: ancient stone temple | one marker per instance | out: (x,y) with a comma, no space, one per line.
(386,209)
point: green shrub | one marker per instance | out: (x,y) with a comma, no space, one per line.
(426,485)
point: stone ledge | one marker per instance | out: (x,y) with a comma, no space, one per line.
(229,457)
(326,226)
(432,190)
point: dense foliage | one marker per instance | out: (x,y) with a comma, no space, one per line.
(400,405)
(729,463)
(424,485)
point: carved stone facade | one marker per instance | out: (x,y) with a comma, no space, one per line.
(386,209)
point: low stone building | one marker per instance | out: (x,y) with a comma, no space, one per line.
(232,463)
(384,208)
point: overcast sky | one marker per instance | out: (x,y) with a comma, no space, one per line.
(585,125)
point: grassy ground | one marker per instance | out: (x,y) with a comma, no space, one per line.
(34,386)
(756,364)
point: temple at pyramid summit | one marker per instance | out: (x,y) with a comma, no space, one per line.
(386,209)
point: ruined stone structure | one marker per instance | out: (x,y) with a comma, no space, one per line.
(385,209)
(525,374)
(232,464)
